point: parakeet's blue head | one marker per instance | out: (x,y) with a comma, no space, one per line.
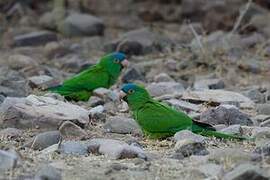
(119,56)
(135,95)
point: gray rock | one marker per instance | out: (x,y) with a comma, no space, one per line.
(217,96)
(163,77)
(263,109)
(263,149)
(246,171)
(233,155)
(140,41)
(48,172)
(261,118)
(42,82)
(183,105)
(209,84)
(82,25)
(97,114)
(122,125)
(211,170)
(188,147)
(8,160)
(233,129)
(95,101)
(19,61)
(69,130)
(255,95)
(106,94)
(265,123)
(225,114)
(132,74)
(251,65)
(21,112)
(115,149)
(55,50)
(188,135)
(34,38)
(2,98)
(48,21)
(252,40)
(10,133)
(74,147)
(44,140)
(162,88)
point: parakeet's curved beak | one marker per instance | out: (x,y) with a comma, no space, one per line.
(125,63)
(122,95)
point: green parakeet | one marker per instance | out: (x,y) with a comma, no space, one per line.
(104,74)
(158,120)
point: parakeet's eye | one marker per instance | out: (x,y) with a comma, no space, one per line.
(130,91)
(116,61)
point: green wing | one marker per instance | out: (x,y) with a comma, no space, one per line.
(89,79)
(81,85)
(155,117)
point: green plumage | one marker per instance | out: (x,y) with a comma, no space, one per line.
(158,120)
(104,74)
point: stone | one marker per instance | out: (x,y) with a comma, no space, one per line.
(183,105)
(10,133)
(265,123)
(105,94)
(55,50)
(225,114)
(115,149)
(132,74)
(233,129)
(74,147)
(209,84)
(22,113)
(44,140)
(97,114)
(138,42)
(188,135)
(246,171)
(251,40)
(162,88)
(188,147)
(255,95)
(82,25)
(263,109)
(121,125)
(163,77)
(217,96)
(48,21)
(251,65)
(263,148)
(8,160)
(69,130)
(48,172)
(42,82)
(34,38)
(211,170)
(232,155)
(261,118)
(95,101)
(19,61)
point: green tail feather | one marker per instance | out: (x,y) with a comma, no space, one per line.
(224,136)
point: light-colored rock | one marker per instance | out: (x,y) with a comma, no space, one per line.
(246,171)
(162,88)
(22,112)
(115,149)
(48,172)
(188,135)
(8,160)
(69,130)
(188,147)
(42,81)
(10,133)
(209,84)
(225,114)
(218,96)
(44,140)
(233,129)
(105,94)
(19,61)
(122,125)
(163,77)
(263,109)
(74,147)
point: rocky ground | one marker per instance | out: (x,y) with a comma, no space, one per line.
(207,58)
